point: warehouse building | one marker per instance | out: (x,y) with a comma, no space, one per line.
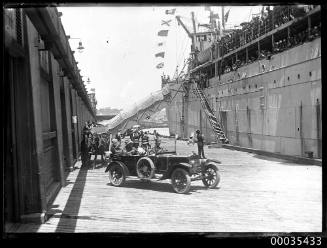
(47,107)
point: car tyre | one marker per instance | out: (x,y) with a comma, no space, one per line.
(181,181)
(212,177)
(145,168)
(117,175)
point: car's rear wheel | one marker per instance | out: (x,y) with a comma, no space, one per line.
(145,168)
(211,176)
(117,175)
(181,181)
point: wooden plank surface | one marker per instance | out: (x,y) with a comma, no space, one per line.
(256,194)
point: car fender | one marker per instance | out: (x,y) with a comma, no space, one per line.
(126,171)
(185,166)
(212,163)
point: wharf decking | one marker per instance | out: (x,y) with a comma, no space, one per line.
(256,194)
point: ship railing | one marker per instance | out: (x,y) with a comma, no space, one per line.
(249,37)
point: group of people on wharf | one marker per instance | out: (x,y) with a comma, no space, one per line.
(132,142)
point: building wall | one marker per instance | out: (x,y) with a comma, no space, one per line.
(41,141)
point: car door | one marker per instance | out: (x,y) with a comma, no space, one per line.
(162,163)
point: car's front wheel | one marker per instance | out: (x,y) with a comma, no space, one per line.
(145,168)
(181,181)
(211,176)
(117,175)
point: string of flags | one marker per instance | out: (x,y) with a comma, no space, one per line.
(161,54)
(226,15)
(164,33)
(160,65)
(170,11)
(165,22)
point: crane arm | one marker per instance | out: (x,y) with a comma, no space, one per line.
(183,25)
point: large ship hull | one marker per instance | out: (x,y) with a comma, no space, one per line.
(275,107)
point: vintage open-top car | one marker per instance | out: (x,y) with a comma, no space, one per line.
(180,169)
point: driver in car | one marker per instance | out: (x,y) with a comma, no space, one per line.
(116,148)
(129,148)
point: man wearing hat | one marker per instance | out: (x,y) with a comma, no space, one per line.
(200,141)
(116,148)
(129,148)
(135,138)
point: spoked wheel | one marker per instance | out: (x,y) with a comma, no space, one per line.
(211,177)
(145,168)
(181,181)
(117,175)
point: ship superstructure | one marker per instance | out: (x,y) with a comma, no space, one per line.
(258,86)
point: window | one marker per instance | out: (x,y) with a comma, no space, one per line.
(288,78)
(298,76)
(43,57)
(310,73)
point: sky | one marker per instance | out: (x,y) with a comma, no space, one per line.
(121,42)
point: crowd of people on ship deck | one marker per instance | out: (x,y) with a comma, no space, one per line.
(259,25)
(165,78)
(295,38)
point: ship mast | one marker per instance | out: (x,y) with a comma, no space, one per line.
(223,17)
(192,36)
(194,28)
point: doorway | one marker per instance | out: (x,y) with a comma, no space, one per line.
(223,115)
(11,194)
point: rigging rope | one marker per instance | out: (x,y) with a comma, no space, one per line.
(249,18)
(182,48)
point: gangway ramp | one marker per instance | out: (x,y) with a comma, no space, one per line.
(135,113)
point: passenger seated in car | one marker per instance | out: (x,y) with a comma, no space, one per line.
(116,148)
(129,148)
(145,141)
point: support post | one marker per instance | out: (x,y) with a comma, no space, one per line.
(301,134)
(247,54)
(318,129)
(309,26)
(288,35)
(259,52)
(272,42)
